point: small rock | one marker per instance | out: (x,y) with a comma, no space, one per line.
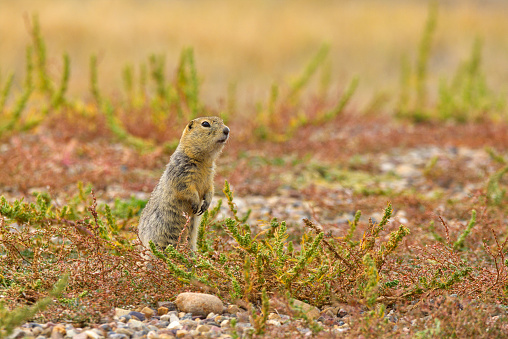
(329,312)
(173,316)
(187,316)
(342,328)
(342,313)
(152,335)
(168,304)
(203,328)
(153,329)
(98,331)
(166,336)
(139,316)
(165,317)
(58,332)
(273,316)
(120,312)
(216,332)
(116,336)
(194,333)
(181,333)
(139,335)
(36,330)
(105,327)
(211,315)
(162,310)
(309,310)
(124,318)
(92,335)
(225,323)
(273,322)
(71,333)
(59,329)
(162,324)
(175,325)
(218,319)
(244,326)
(81,335)
(213,323)
(136,325)
(232,309)
(188,322)
(148,312)
(199,303)
(126,331)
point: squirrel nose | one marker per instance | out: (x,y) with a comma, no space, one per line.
(226,130)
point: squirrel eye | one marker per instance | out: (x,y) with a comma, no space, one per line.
(205,124)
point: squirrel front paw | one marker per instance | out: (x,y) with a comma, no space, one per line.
(195,208)
(204,207)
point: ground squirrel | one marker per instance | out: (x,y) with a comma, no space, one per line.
(186,185)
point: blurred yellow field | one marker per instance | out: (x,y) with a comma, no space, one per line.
(254,43)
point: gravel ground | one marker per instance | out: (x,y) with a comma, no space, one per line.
(407,169)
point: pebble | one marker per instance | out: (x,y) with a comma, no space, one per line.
(165,317)
(93,335)
(148,312)
(175,325)
(115,336)
(232,309)
(273,322)
(172,325)
(199,303)
(136,325)
(137,315)
(342,313)
(309,310)
(119,312)
(167,304)
(181,333)
(203,328)
(273,316)
(162,310)
(125,331)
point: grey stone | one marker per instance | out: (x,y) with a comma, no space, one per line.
(117,336)
(126,331)
(140,316)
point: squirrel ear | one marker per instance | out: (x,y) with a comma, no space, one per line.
(190,124)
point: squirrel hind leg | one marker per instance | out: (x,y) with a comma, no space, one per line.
(193,231)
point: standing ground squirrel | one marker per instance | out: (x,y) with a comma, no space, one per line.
(186,185)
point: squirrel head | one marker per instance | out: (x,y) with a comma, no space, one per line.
(204,138)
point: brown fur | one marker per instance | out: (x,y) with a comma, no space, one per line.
(186,185)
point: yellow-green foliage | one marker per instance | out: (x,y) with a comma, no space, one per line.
(466,97)
(267,260)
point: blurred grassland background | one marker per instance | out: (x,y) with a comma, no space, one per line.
(251,44)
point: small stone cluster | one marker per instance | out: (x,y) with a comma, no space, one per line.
(192,315)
